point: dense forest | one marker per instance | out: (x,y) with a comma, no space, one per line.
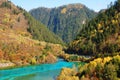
(107,68)
(65,21)
(40,32)
(101,35)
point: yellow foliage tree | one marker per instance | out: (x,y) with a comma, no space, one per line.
(33,61)
(99,26)
(64,10)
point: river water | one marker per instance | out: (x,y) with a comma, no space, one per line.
(36,72)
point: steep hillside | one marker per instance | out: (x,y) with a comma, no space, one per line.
(101,34)
(101,37)
(17,46)
(15,17)
(41,32)
(65,21)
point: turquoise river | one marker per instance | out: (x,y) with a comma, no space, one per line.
(36,72)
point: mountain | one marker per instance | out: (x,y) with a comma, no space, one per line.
(65,21)
(37,29)
(100,35)
(22,38)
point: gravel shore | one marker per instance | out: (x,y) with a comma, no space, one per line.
(8,64)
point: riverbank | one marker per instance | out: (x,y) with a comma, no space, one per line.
(36,72)
(76,58)
(66,57)
(106,65)
(6,65)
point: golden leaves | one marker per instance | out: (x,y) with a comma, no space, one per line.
(64,10)
(67,74)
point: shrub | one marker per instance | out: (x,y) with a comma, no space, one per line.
(33,61)
(6,4)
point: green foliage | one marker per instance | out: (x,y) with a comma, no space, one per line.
(100,35)
(73,58)
(112,69)
(65,21)
(39,31)
(110,72)
(47,48)
(99,69)
(20,8)
(6,4)
(15,12)
(111,48)
(107,68)
(18,19)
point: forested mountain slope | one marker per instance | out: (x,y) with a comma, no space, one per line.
(101,37)
(65,21)
(101,34)
(26,22)
(17,30)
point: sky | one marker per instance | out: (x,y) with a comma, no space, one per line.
(95,5)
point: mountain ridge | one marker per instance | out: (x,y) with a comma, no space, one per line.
(102,35)
(65,21)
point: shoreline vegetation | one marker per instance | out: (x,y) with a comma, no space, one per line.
(98,68)
(6,65)
(66,57)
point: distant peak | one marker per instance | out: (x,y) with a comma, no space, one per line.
(71,6)
(77,6)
